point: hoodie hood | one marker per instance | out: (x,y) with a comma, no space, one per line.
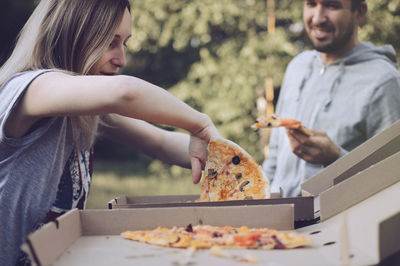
(363,52)
(366,51)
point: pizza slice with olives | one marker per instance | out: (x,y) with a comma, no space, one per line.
(232,174)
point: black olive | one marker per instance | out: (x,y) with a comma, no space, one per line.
(189,228)
(269,124)
(217,234)
(236,160)
(238,176)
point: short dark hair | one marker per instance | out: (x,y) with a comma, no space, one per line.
(356,4)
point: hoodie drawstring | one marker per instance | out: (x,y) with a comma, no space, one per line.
(334,86)
(306,77)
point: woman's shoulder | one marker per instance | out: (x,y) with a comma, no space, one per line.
(15,86)
(22,78)
(29,74)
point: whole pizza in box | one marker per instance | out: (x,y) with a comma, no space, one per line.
(207,236)
(232,174)
(217,238)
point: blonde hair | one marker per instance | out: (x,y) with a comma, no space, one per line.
(69,35)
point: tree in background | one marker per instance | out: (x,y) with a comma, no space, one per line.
(228,52)
(383,23)
(234,52)
(217,55)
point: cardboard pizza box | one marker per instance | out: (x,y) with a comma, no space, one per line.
(359,187)
(127,201)
(365,234)
(368,169)
(372,151)
(303,206)
(368,231)
(98,230)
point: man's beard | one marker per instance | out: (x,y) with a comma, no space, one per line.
(335,45)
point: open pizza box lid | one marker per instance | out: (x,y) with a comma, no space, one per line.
(365,234)
(366,170)
(303,206)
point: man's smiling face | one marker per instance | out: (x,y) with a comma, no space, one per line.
(330,24)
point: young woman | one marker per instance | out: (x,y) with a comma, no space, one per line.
(59,89)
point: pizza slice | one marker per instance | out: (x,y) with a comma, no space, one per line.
(232,174)
(161,236)
(276,121)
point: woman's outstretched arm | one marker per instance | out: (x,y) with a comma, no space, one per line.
(58,94)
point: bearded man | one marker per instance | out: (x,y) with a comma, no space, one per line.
(344,90)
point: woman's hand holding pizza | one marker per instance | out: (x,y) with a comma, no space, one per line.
(317,148)
(198,148)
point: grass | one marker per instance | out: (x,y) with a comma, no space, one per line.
(116,179)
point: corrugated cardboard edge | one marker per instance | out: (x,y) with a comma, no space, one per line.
(115,221)
(162,198)
(360,187)
(118,200)
(303,206)
(370,152)
(41,247)
(125,200)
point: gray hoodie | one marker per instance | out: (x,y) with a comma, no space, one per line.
(351,99)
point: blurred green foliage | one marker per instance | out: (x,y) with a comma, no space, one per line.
(126,178)
(225,53)
(214,55)
(232,51)
(383,23)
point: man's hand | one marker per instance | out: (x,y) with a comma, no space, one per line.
(317,148)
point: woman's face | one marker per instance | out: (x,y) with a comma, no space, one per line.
(114,58)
